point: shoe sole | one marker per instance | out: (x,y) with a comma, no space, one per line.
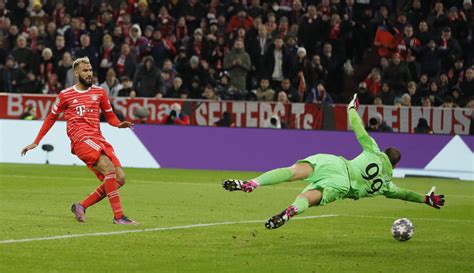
(274,222)
(231,185)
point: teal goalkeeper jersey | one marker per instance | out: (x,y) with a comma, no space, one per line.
(371,171)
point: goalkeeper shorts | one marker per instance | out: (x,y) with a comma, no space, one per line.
(330,176)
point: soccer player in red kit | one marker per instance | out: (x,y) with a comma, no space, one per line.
(81,105)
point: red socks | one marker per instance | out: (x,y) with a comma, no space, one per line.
(96,195)
(110,189)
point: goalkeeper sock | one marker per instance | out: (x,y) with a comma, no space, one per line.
(96,196)
(272,177)
(301,203)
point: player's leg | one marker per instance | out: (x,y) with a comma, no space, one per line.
(120,176)
(107,168)
(298,171)
(302,202)
(99,193)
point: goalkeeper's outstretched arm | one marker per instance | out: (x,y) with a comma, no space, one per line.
(366,141)
(430,198)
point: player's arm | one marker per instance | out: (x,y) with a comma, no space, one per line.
(430,198)
(109,114)
(366,141)
(51,118)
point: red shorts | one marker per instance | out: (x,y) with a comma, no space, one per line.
(90,150)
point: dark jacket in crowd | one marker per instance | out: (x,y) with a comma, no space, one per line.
(147,82)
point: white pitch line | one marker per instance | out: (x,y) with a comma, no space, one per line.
(150,230)
(139,181)
(412,218)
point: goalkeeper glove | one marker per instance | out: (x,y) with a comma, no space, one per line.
(436,201)
(353,104)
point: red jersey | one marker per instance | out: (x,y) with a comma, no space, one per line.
(82,112)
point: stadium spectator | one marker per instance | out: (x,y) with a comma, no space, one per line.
(224,89)
(467,86)
(176,89)
(433,94)
(10,76)
(318,94)
(237,63)
(382,125)
(385,38)
(406,100)
(127,86)
(196,88)
(386,94)
(397,74)
(319,73)
(364,95)
(87,50)
(106,56)
(22,54)
(258,48)
(422,127)
(333,64)
(47,65)
(111,84)
(282,98)
(190,70)
(147,81)
(52,86)
(373,81)
(126,62)
(413,93)
(59,48)
(225,121)
(276,62)
(30,84)
(209,93)
(310,31)
(449,102)
(176,116)
(289,90)
(265,92)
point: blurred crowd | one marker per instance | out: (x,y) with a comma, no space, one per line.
(393,52)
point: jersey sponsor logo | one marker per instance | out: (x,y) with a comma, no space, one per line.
(371,171)
(80,110)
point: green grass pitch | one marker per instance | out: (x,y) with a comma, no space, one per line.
(353,237)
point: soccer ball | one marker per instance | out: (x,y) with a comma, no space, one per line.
(402,229)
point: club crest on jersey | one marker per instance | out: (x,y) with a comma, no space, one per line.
(94,97)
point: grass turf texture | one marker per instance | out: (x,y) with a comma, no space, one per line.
(35,201)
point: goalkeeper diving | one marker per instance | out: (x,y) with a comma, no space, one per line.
(334,178)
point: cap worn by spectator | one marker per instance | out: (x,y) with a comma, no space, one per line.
(302,50)
(453,9)
(467,2)
(194,60)
(198,31)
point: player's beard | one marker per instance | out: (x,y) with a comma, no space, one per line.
(84,82)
